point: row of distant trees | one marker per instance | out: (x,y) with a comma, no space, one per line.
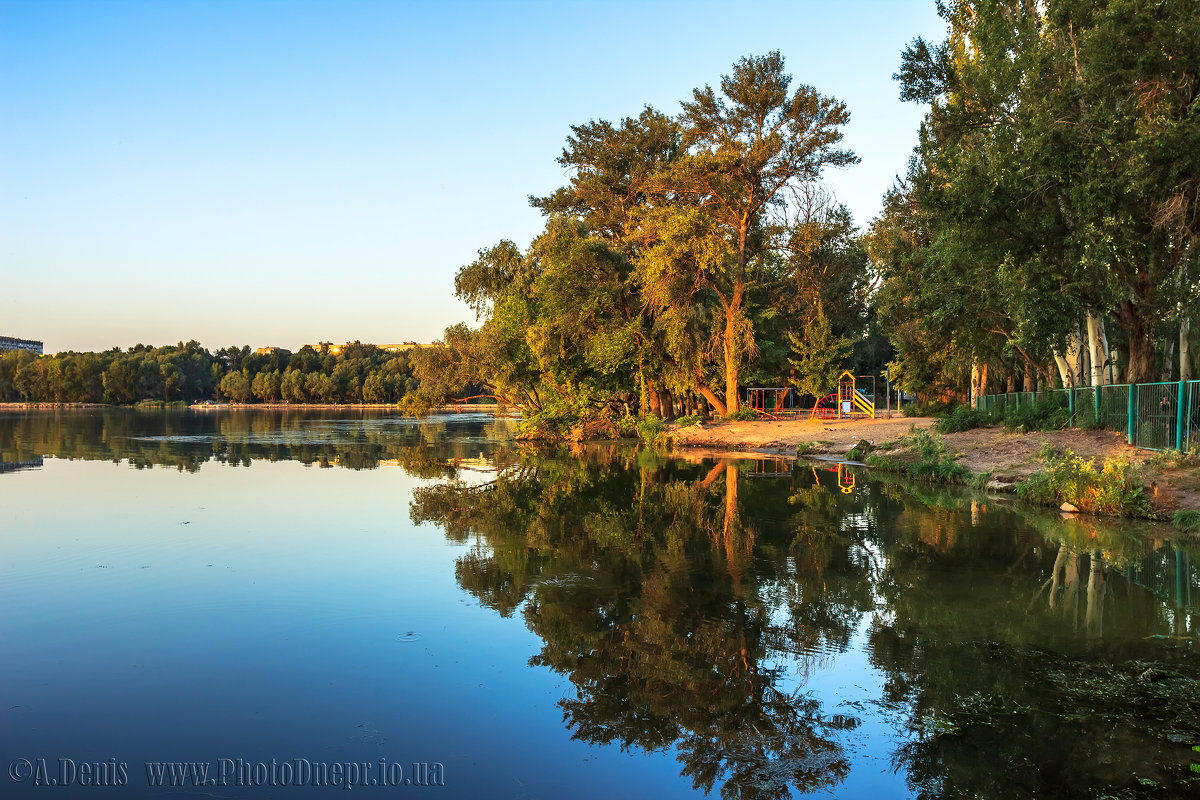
(358,373)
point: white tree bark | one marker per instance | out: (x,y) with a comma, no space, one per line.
(1097,349)
(1185,354)
(1110,359)
(974,381)
(1064,370)
(1074,356)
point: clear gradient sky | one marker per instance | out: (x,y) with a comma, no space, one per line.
(276,173)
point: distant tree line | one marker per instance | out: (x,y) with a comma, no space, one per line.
(358,373)
(1045,231)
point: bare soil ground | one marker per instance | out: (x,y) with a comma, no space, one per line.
(1009,457)
(827,436)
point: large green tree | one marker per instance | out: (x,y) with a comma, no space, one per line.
(744,148)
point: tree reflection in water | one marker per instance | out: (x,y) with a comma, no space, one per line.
(680,622)
(688,604)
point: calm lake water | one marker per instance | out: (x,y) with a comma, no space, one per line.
(428,602)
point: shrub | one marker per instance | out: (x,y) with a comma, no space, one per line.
(933,408)
(1049,414)
(650,429)
(1186,519)
(742,415)
(689,420)
(1115,488)
(627,427)
(964,418)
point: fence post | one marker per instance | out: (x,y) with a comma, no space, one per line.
(1096,405)
(1132,409)
(1180,396)
(1071,404)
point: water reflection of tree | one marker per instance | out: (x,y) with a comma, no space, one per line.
(680,617)
(1020,661)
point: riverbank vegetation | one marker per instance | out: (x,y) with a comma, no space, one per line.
(357,373)
(922,456)
(1114,487)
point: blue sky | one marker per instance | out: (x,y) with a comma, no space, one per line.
(287,172)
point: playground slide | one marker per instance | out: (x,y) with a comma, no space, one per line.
(863,404)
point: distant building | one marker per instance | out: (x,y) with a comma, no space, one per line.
(271,351)
(11,343)
(334,349)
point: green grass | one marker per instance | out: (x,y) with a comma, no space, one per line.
(689,420)
(932,462)
(860,450)
(1186,519)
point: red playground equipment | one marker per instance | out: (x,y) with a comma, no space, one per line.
(826,407)
(848,401)
(772,402)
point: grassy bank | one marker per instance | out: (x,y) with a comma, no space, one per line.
(1104,486)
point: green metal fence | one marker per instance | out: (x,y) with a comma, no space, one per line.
(1154,416)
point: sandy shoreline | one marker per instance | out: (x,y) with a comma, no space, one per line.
(1008,457)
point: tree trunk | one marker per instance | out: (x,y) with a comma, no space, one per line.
(1064,370)
(1074,357)
(1096,348)
(1085,358)
(1140,364)
(1185,353)
(1108,365)
(1030,383)
(974,382)
(652,400)
(731,359)
(667,403)
(709,395)
(983,378)
(1047,378)
(1168,359)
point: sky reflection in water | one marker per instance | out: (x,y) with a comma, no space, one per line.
(184,586)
